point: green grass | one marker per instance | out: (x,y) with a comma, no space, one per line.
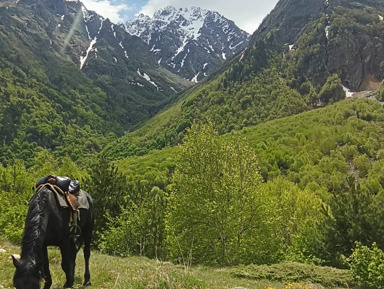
(139,272)
(296,272)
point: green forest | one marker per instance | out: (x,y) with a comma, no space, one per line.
(302,188)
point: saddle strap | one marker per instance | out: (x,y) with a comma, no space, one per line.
(72,201)
(55,188)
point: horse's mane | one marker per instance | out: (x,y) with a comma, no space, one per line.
(32,243)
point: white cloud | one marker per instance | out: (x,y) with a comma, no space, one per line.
(247,14)
(106,9)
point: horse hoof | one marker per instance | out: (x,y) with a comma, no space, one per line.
(67,286)
(88,283)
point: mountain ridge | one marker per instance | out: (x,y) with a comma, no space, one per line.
(191,42)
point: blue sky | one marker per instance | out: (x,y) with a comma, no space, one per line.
(247,14)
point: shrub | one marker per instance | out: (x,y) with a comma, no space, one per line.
(367,265)
(296,274)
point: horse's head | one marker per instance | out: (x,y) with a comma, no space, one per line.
(27,275)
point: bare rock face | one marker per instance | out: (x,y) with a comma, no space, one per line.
(356,42)
(288,19)
(351,44)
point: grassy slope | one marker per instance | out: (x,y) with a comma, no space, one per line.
(138,272)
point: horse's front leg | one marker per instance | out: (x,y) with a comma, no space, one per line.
(68,259)
(46,274)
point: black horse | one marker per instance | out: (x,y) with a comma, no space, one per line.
(48,225)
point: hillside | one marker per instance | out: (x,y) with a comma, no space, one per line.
(293,146)
(301,57)
(345,39)
(35,113)
(103,82)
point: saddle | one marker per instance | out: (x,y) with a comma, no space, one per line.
(68,194)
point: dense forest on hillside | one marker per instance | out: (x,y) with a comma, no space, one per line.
(50,110)
(301,188)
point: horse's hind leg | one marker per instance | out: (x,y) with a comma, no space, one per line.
(46,272)
(87,275)
(87,254)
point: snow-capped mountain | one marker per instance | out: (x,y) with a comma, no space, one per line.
(190,42)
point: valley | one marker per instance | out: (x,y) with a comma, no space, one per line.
(225,164)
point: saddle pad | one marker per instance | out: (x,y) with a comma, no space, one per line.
(82,199)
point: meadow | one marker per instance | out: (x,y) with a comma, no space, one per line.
(140,272)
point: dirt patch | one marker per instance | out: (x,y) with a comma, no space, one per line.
(370,83)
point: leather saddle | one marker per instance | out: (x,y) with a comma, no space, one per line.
(65,186)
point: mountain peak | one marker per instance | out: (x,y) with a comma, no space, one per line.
(166,13)
(190,41)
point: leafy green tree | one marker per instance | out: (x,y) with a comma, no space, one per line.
(367,265)
(332,90)
(139,229)
(351,216)
(362,165)
(216,214)
(380,92)
(16,190)
(16,178)
(107,186)
(296,216)
(44,164)
(70,169)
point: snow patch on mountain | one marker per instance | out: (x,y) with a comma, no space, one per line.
(348,92)
(147,78)
(88,17)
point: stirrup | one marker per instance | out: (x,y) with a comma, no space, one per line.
(74,231)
